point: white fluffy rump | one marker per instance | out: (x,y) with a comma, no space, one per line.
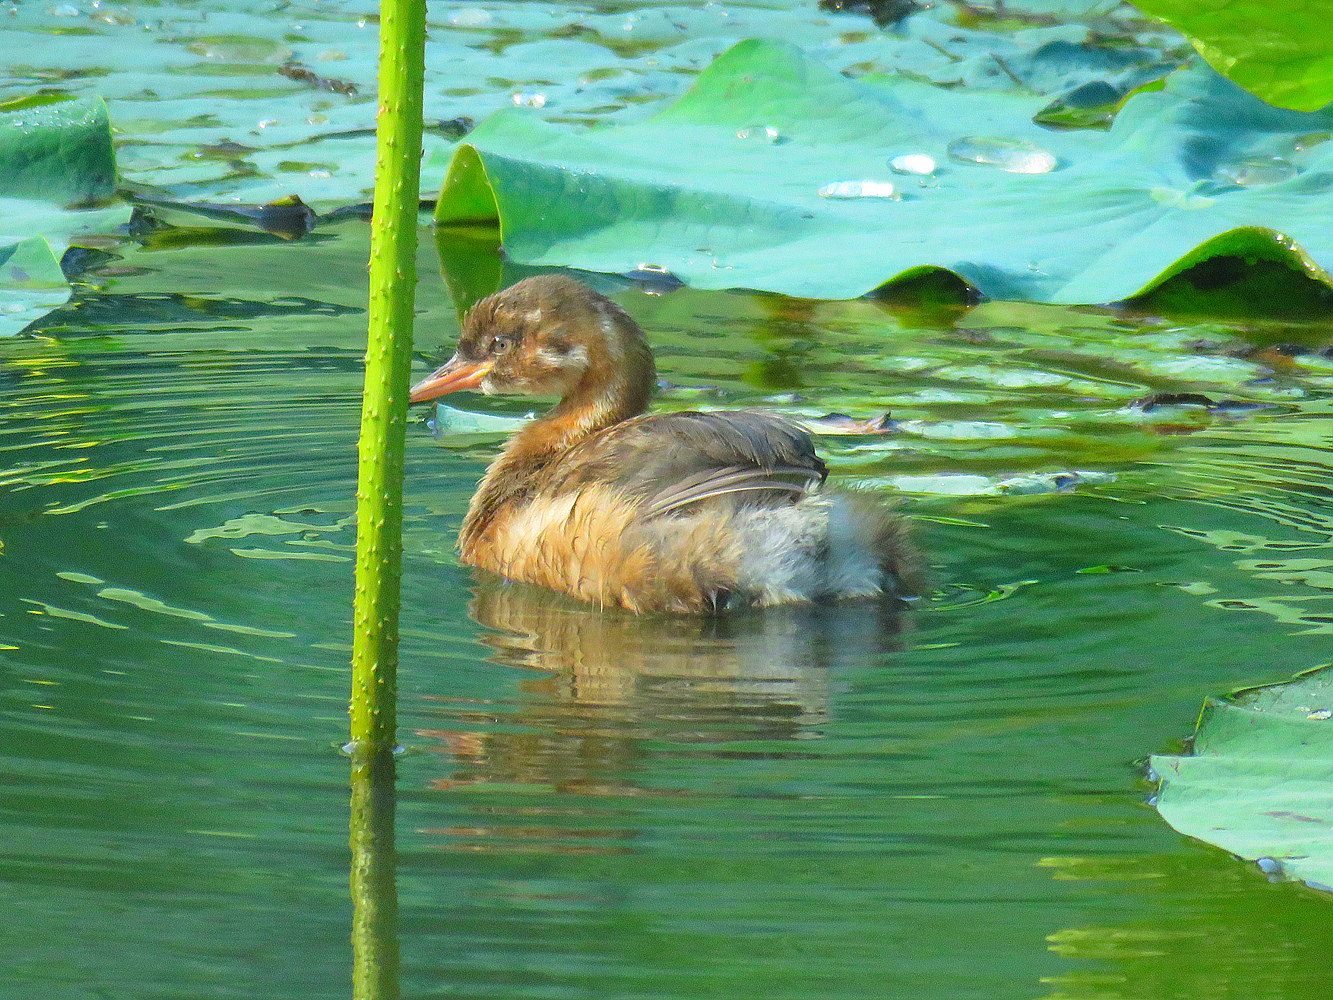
(828,546)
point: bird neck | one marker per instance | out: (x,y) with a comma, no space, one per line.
(613,389)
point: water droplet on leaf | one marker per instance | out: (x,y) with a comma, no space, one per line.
(1253,171)
(913,163)
(469,17)
(763,135)
(859,189)
(1014,156)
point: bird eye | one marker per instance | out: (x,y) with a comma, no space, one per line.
(501,344)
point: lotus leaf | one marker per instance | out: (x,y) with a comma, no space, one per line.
(250,101)
(57,152)
(1273,50)
(31,284)
(1260,781)
(724,187)
(22,218)
(51,155)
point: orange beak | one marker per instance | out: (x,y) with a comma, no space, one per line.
(454,375)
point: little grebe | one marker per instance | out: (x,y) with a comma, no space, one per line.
(667,512)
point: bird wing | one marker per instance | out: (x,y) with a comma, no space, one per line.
(789,480)
(670,461)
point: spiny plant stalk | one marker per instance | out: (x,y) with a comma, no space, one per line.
(393,278)
(379,498)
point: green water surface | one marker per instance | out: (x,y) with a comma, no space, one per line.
(946,802)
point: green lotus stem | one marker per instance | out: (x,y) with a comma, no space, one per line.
(379,498)
(393,247)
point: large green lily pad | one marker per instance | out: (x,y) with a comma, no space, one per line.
(1260,782)
(723,187)
(1276,50)
(56,163)
(58,152)
(208,107)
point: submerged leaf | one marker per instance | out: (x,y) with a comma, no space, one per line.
(288,218)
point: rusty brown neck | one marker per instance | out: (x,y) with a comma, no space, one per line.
(614,389)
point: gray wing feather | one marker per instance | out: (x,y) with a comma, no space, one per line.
(720,482)
(671,460)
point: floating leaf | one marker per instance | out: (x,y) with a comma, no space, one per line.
(1107,215)
(243,77)
(58,152)
(31,284)
(288,218)
(1260,781)
(450,422)
(22,218)
(959,484)
(1273,50)
(236,48)
(38,100)
(1092,105)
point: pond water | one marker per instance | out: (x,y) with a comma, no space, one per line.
(946,802)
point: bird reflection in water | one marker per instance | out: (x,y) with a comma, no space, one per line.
(617,690)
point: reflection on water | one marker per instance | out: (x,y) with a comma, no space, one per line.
(374,877)
(609,681)
(615,679)
(771,665)
(612,680)
(849,801)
